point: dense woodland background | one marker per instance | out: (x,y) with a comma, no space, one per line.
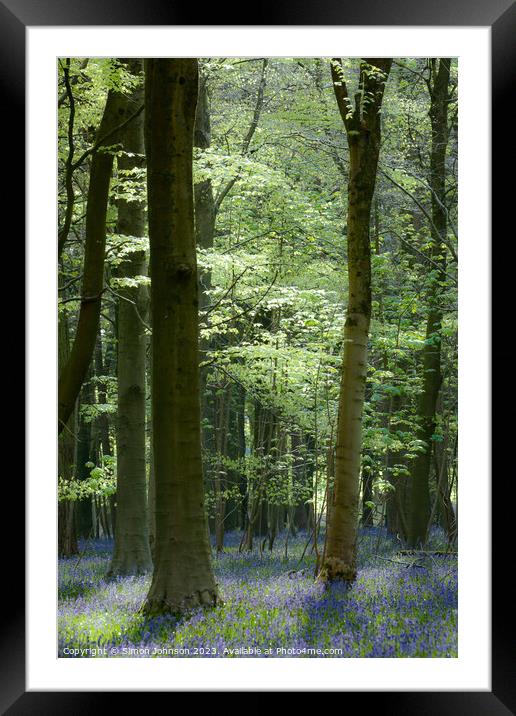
(325,203)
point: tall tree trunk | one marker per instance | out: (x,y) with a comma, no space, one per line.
(363,131)
(183,576)
(132,550)
(204,210)
(67,538)
(420,474)
(367,496)
(73,373)
(203,191)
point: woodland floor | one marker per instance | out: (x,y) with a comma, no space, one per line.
(272,607)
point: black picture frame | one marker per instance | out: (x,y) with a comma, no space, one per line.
(500,15)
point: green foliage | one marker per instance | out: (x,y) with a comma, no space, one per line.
(100,483)
(277,271)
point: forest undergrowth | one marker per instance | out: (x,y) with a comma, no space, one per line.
(401,605)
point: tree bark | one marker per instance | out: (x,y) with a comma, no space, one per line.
(74,371)
(183,576)
(67,537)
(363,131)
(132,550)
(420,473)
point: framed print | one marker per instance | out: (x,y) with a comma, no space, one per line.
(332,158)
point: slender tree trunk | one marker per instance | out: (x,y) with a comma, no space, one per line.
(132,550)
(367,497)
(257,508)
(363,131)
(220,475)
(85,454)
(204,210)
(67,538)
(276,509)
(302,479)
(298,513)
(103,419)
(183,576)
(103,422)
(151,512)
(235,442)
(395,468)
(73,373)
(272,517)
(420,473)
(448,505)
(152,500)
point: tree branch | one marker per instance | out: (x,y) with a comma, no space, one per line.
(248,137)
(102,140)
(341,91)
(69,169)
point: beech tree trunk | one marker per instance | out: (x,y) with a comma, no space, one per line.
(420,473)
(132,550)
(183,576)
(363,131)
(204,210)
(73,373)
(67,537)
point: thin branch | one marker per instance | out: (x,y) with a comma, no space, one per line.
(133,303)
(247,139)
(341,91)
(226,293)
(69,169)
(109,134)
(257,110)
(73,81)
(82,299)
(425,212)
(421,253)
(409,69)
(250,308)
(70,283)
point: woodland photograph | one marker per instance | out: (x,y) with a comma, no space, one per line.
(257,286)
